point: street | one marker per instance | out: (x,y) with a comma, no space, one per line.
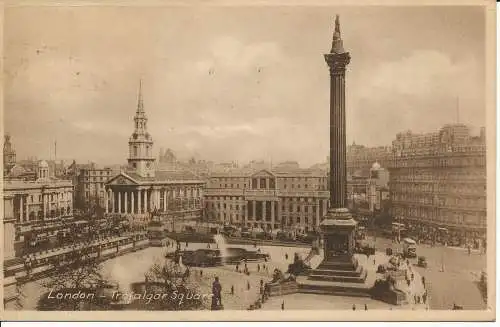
(457,284)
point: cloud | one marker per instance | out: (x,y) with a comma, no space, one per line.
(422,73)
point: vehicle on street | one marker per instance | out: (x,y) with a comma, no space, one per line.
(422,262)
(409,248)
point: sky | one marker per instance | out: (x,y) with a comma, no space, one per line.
(234,83)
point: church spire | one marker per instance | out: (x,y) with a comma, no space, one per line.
(337,44)
(140,104)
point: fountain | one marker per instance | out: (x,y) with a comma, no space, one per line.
(222,246)
(221,255)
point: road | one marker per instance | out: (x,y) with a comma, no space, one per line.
(457,283)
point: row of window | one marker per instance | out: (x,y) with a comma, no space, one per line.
(63,196)
(285,199)
(473,203)
(287,221)
(463,189)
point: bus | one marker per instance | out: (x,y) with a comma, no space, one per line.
(398,230)
(409,248)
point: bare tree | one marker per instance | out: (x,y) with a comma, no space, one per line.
(78,273)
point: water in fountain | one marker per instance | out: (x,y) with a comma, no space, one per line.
(221,244)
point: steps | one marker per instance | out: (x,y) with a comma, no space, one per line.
(334,288)
(321,271)
(330,276)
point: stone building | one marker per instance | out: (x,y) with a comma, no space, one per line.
(367,190)
(142,188)
(438,180)
(90,185)
(268,199)
(35,207)
(360,157)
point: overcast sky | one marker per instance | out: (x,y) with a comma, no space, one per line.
(234,83)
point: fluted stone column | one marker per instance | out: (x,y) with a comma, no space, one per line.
(132,195)
(119,202)
(139,204)
(338,226)
(126,201)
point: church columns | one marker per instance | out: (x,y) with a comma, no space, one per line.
(132,195)
(264,203)
(106,198)
(145,201)
(126,202)
(119,202)
(139,197)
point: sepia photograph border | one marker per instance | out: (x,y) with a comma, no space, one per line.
(309,315)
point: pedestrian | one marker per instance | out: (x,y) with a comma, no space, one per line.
(261,282)
(353,307)
(283,305)
(423,281)
(424,297)
(232,289)
(201,273)
(258,268)
(286,256)
(248,285)
(237,267)
(366,307)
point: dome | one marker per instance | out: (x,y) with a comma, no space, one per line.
(43,164)
(375,166)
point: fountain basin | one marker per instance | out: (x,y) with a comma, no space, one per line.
(217,257)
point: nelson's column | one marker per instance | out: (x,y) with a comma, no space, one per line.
(338,226)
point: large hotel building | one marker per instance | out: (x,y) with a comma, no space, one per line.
(439,179)
(293,200)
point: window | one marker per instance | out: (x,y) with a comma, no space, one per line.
(262,183)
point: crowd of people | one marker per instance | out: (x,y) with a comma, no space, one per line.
(448,237)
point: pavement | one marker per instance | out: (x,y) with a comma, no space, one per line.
(457,284)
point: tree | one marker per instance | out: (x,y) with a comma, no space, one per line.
(78,273)
(177,286)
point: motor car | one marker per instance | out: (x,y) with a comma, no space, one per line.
(422,262)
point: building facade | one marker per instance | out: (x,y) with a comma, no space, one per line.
(90,186)
(360,157)
(35,207)
(368,193)
(287,200)
(142,189)
(439,180)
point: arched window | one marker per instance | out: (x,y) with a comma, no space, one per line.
(135,151)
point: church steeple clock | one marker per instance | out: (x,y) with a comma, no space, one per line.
(141,160)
